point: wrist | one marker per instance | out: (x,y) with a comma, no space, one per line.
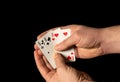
(110,39)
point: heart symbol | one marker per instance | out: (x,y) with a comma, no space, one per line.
(53,39)
(56,34)
(68,57)
(65,33)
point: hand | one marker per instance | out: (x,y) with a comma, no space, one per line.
(92,42)
(63,72)
(85,39)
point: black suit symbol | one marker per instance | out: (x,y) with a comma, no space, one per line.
(41,44)
(48,40)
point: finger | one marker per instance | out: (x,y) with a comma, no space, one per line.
(69,26)
(47,63)
(36,47)
(43,69)
(39,52)
(65,27)
(59,60)
(67,43)
(76,52)
(89,53)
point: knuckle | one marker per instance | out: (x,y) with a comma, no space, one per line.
(77,37)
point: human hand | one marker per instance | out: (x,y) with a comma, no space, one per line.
(92,42)
(86,41)
(63,72)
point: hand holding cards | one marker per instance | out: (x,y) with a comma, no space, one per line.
(47,42)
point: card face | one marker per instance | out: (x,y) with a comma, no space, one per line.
(61,36)
(69,54)
(50,39)
(45,44)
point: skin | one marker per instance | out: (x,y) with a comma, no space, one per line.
(88,43)
(63,72)
(92,42)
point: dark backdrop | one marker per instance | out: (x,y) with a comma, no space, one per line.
(99,68)
(22,22)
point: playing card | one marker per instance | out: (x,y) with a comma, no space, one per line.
(47,42)
(54,36)
(45,45)
(69,54)
(59,37)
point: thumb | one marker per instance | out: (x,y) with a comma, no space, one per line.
(59,60)
(67,43)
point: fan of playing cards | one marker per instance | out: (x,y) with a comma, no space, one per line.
(47,42)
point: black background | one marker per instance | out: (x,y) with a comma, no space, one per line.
(23,25)
(99,68)
(23,22)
